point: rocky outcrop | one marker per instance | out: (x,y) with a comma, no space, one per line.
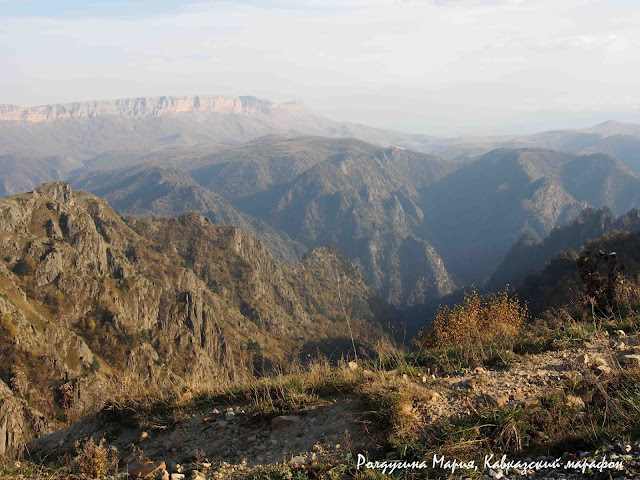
(18,423)
(89,303)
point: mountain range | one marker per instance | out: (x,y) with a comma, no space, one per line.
(418,225)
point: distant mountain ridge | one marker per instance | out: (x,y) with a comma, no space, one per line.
(141,107)
(84,130)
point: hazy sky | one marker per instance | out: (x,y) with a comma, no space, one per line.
(444,67)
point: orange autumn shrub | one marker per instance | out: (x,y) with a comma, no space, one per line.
(475,324)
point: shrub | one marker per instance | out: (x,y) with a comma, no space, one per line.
(475,324)
(24,267)
(8,328)
(94,460)
(95,365)
(67,400)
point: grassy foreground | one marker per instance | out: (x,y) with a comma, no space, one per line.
(592,405)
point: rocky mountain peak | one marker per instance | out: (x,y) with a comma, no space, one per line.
(56,191)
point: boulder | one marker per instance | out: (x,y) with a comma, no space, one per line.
(284,421)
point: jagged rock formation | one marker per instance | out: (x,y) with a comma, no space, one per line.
(19,423)
(164,191)
(92,303)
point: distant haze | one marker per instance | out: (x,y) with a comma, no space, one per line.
(439,67)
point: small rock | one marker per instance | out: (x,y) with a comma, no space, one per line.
(285,421)
(605,369)
(215,411)
(229,416)
(145,468)
(144,436)
(298,460)
(584,359)
(632,359)
(196,475)
(161,474)
(496,399)
(177,476)
(352,365)
(576,402)
(599,361)
(252,438)
(621,333)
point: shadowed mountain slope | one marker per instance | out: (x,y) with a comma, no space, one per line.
(474,215)
(529,255)
(315,191)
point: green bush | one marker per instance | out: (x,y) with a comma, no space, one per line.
(95,365)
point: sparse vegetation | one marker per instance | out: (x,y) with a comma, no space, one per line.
(94,366)
(96,460)
(476,328)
